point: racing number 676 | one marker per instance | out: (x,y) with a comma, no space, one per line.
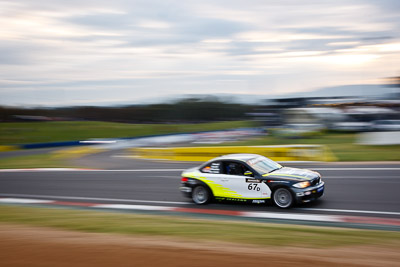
(254,187)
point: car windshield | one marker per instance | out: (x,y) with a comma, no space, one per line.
(263,165)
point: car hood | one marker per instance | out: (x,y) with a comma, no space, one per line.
(293,174)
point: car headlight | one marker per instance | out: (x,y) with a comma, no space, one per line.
(302,184)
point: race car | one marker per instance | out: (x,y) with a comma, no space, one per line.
(250,178)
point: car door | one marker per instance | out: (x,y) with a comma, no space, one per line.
(242,186)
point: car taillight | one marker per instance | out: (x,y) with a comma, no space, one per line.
(184,179)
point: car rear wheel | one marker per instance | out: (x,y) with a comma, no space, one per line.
(283,198)
(201,195)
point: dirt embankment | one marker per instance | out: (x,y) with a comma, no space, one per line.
(37,246)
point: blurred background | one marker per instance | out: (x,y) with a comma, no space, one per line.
(89,86)
(293,72)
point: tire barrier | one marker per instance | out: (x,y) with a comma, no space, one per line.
(277,153)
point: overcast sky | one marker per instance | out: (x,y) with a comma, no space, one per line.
(94,52)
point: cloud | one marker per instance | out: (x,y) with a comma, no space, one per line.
(144,48)
(102,21)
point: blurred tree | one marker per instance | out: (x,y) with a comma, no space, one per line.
(186,110)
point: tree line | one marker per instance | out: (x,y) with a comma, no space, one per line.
(187,110)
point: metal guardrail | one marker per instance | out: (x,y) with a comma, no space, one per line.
(144,140)
(42,145)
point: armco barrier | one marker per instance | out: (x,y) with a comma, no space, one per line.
(52,144)
(277,153)
(240,132)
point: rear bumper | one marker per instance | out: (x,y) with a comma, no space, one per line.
(310,193)
(186,191)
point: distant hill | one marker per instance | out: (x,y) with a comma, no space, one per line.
(360,90)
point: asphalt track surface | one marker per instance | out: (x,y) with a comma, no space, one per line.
(363,189)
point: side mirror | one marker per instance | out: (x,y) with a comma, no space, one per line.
(248,174)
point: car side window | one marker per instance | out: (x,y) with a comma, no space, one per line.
(212,167)
(234,168)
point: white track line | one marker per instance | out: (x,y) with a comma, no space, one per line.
(95,199)
(361,177)
(291,216)
(352,211)
(185,203)
(355,169)
(140,170)
(132,207)
(87,170)
(172,170)
(24,201)
(262,215)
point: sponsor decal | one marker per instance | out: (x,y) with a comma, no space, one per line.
(272,181)
(214,167)
(235,199)
(250,180)
(255,201)
(230,199)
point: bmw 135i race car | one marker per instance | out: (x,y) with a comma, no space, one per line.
(250,178)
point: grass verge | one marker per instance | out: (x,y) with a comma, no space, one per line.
(56,159)
(35,161)
(342,145)
(194,229)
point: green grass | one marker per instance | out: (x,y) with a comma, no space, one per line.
(34,161)
(343,146)
(38,132)
(194,229)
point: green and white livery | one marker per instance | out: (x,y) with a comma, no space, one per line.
(250,178)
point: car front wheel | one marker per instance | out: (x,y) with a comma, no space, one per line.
(283,198)
(201,195)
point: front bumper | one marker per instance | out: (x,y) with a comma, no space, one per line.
(310,193)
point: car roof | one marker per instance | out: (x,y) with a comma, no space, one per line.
(241,157)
